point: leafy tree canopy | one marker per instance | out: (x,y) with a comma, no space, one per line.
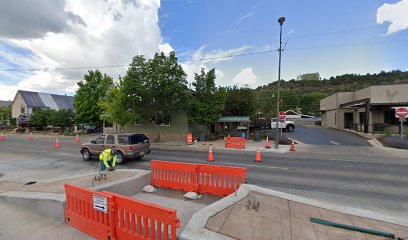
(155,88)
(208,100)
(90,92)
(240,102)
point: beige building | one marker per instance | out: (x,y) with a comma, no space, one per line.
(25,102)
(368,110)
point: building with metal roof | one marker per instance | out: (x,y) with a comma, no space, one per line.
(5,103)
(26,101)
(367,110)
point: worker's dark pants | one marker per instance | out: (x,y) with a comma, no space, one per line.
(102,166)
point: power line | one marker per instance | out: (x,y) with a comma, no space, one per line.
(126,65)
(204,59)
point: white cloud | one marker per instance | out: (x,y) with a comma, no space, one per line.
(111,33)
(396,14)
(7,92)
(166,48)
(245,77)
(245,17)
(217,56)
(203,59)
(192,69)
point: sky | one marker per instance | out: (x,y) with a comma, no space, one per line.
(48,46)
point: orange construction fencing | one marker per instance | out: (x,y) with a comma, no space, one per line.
(235,142)
(178,176)
(220,180)
(105,215)
(135,219)
(200,178)
(81,213)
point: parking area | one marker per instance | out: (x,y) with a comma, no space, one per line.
(326,136)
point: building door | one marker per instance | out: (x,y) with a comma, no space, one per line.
(348,120)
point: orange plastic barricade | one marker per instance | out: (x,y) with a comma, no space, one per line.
(81,213)
(220,180)
(200,178)
(135,219)
(174,175)
(235,142)
(189,139)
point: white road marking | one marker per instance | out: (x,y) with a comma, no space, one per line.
(260,166)
(334,142)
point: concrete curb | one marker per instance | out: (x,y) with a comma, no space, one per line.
(52,205)
(195,228)
(127,186)
(285,148)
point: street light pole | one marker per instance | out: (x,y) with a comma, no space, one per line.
(280,21)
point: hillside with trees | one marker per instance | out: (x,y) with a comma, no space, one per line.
(305,95)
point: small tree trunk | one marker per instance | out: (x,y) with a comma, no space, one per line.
(158,133)
(208,131)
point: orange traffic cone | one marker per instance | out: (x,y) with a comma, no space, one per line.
(258,155)
(210,155)
(57,144)
(2,137)
(268,144)
(292,148)
(77,138)
(31,136)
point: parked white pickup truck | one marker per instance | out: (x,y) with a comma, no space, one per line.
(284,125)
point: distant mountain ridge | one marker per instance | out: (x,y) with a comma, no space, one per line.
(342,83)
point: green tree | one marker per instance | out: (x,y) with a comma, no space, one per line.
(208,100)
(62,118)
(115,105)
(155,88)
(310,103)
(240,102)
(39,119)
(5,115)
(94,88)
(288,100)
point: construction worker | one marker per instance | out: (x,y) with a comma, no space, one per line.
(107,159)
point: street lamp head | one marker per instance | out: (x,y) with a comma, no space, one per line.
(281,20)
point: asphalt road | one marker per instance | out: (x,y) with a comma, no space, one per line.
(326,136)
(378,185)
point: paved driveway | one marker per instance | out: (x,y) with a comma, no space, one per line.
(326,136)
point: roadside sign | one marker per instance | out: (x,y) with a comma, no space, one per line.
(401,112)
(282,115)
(100,203)
(403,120)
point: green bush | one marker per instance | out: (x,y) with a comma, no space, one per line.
(41,118)
(387,132)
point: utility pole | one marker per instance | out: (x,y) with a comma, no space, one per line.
(280,21)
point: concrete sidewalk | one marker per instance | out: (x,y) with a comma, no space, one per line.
(16,224)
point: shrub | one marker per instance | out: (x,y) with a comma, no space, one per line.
(387,132)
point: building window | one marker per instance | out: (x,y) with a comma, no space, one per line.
(335,119)
(22,108)
(362,117)
(165,124)
(138,123)
(389,117)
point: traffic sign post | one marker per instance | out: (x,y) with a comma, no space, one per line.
(401,113)
(282,115)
